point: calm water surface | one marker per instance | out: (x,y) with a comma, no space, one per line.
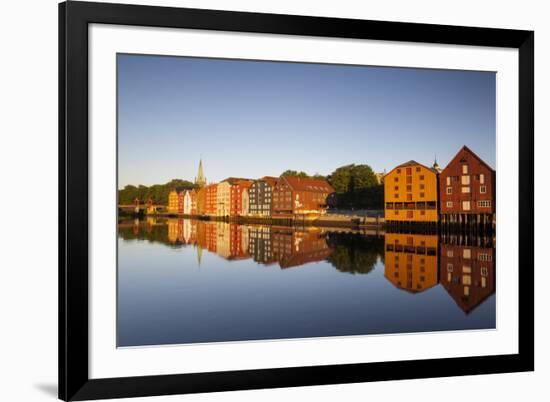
(188,281)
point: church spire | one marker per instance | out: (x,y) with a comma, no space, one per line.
(200,180)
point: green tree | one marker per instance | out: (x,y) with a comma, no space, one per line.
(157,192)
(350,178)
(295,173)
(356,186)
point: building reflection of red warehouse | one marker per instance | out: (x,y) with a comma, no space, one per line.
(468,274)
(292,248)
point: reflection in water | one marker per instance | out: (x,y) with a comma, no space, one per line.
(467,274)
(322,300)
(411,261)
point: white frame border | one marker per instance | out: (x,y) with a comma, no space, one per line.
(108,361)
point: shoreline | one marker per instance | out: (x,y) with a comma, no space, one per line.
(375,224)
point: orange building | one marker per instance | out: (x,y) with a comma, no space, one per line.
(175,200)
(201,201)
(468,274)
(411,193)
(210,199)
(236,201)
(411,261)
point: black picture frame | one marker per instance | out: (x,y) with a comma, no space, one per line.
(74,381)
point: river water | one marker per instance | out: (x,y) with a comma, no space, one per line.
(188,281)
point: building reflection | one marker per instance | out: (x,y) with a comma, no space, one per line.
(463,265)
(411,261)
(293,248)
(467,272)
(260,246)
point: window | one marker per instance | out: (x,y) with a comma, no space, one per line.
(450,254)
(423,212)
(482,189)
(409,171)
(484,257)
(421,195)
(409,179)
(422,187)
(396,179)
(484,204)
(396,188)
(467,253)
(465,205)
(396,212)
(398,171)
(448,180)
(464,169)
(465,189)
(409,188)
(482,178)
(418,168)
(450,267)
(449,190)
(465,180)
(421,177)
(396,195)
(410,214)
(409,197)
(449,204)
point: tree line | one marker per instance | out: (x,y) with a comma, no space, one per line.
(355,186)
(157,192)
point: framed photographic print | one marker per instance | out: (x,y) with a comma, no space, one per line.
(257,200)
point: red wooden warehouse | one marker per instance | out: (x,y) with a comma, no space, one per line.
(467,190)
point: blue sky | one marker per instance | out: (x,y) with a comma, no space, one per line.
(257,118)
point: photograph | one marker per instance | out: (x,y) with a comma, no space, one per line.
(269,200)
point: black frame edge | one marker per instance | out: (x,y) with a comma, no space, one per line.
(74,17)
(526,239)
(62,334)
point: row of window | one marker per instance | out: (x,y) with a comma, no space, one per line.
(411,205)
(466,205)
(467,254)
(408,170)
(467,190)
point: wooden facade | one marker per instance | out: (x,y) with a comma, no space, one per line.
(190,202)
(260,196)
(211,199)
(229,196)
(175,200)
(201,201)
(300,196)
(467,189)
(238,187)
(411,193)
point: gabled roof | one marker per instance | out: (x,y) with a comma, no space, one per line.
(307,184)
(236,180)
(270,180)
(413,163)
(468,150)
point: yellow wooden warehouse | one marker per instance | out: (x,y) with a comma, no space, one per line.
(411,193)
